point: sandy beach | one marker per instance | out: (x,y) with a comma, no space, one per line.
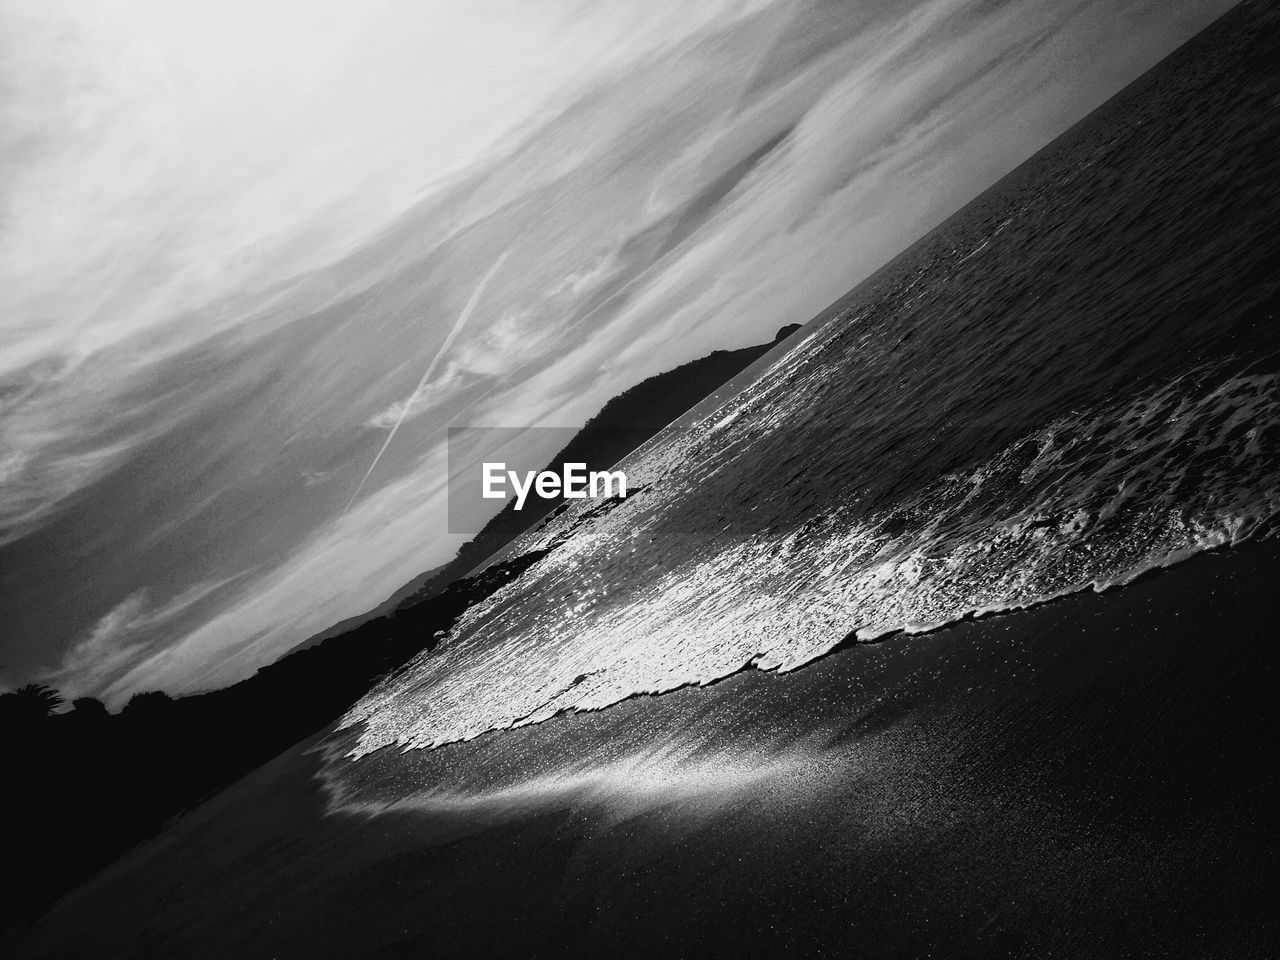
(1092,777)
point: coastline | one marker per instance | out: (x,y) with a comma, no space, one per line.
(1083,778)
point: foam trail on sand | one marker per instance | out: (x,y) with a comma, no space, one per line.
(444,348)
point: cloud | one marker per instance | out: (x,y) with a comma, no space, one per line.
(169,169)
(120,639)
(379,542)
(107,649)
(175,154)
(519,336)
(313,477)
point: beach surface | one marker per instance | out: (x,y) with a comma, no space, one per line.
(1092,777)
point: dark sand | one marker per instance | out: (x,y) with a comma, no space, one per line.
(1093,777)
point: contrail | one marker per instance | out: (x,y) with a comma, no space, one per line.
(444,347)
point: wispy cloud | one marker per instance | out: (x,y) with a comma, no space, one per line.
(120,639)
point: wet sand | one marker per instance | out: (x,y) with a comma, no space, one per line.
(1094,777)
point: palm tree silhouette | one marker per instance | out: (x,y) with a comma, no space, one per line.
(34,701)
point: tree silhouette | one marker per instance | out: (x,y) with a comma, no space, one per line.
(89,709)
(34,701)
(153,703)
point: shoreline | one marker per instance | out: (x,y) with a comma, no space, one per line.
(1062,724)
(1250,541)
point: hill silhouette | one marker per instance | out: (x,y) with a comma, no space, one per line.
(85,785)
(623,424)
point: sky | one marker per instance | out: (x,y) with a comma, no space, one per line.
(247,249)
